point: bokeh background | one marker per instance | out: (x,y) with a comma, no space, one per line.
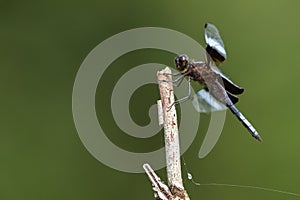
(43,44)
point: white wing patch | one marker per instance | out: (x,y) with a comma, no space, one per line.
(205,103)
(214,40)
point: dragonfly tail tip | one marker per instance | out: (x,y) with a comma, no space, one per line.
(258,138)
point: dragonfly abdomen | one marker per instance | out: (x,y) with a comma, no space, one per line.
(245,122)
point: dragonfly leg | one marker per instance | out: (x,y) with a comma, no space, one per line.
(184,99)
(173,74)
(176,82)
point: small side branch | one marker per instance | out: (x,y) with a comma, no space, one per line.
(161,190)
(160,113)
(175,190)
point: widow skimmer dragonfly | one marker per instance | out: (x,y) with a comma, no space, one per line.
(219,92)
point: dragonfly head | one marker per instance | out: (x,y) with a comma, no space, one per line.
(181,62)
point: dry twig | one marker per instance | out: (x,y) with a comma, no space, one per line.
(175,189)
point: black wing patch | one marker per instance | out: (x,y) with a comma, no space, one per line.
(230,86)
(234,99)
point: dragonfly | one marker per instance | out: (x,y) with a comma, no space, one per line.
(219,91)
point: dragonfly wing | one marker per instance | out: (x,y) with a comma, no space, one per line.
(234,99)
(228,84)
(215,45)
(204,102)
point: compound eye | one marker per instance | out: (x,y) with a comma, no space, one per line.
(181,62)
(177,60)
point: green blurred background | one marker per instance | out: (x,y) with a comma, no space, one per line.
(43,44)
